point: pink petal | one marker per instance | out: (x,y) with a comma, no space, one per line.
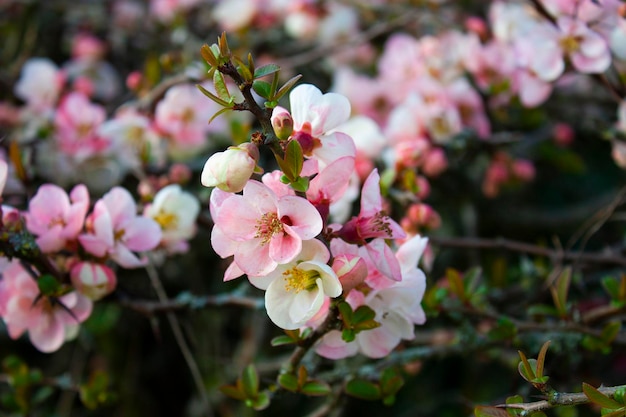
(371,200)
(301,216)
(125,258)
(284,247)
(94,245)
(48,334)
(332,346)
(306,304)
(142,234)
(330,184)
(120,204)
(259,263)
(52,240)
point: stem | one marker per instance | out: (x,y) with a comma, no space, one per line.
(180,340)
(522,247)
(560,399)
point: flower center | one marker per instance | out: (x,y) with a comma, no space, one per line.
(570,44)
(267,226)
(119,235)
(166,220)
(188,115)
(56,221)
(298,280)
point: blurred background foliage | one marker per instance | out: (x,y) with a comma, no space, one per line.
(131,362)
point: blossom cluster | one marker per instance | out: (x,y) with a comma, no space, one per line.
(82,249)
(294,246)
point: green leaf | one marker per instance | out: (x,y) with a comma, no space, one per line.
(620,412)
(266,70)
(243,69)
(261,402)
(541,358)
(220,87)
(233,391)
(213,97)
(390,382)
(262,88)
(619,395)
(559,293)
(282,340)
(48,285)
(315,388)
(289,382)
(286,87)
(348,335)
(597,397)
(538,414)
(366,325)
(250,381)
(612,287)
(346,313)
(363,313)
(526,367)
(488,411)
(222,111)
(389,400)
(456,283)
(610,331)
(208,56)
(541,310)
(363,389)
(300,184)
(294,157)
(504,330)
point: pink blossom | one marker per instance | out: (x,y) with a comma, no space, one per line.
(184,115)
(56,219)
(372,221)
(114,230)
(175,211)
(314,115)
(40,83)
(166,10)
(268,230)
(77,121)
(398,308)
(48,320)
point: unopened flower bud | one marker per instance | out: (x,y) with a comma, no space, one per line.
(563,134)
(230,170)
(523,170)
(282,123)
(435,162)
(179,173)
(351,271)
(94,280)
(423,215)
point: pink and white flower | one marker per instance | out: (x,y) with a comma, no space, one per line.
(49,321)
(230,170)
(114,230)
(175,211)
(268,230)
(92,279)
(55,218)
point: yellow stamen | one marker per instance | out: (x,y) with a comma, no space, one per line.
(267,226)
(166,220)
(298,280)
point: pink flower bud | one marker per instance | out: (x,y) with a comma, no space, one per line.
(423,188)
(423,215)
(179,173)
(435,162)
(230,170)
(478,26)
(351,271)
(523,169)
(282,122)
(84,85)
(94,280)
(619,153)
(563,134)
(133,81)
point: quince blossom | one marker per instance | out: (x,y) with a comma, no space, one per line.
(175,211)
(54,218)
(297,290)
(115,230)
(398,308)
(264,230)
(49,321)
(372,221)
(314,115)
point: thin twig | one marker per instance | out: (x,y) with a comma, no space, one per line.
(522,247)
(180,339)
(560,399)
(151,307)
